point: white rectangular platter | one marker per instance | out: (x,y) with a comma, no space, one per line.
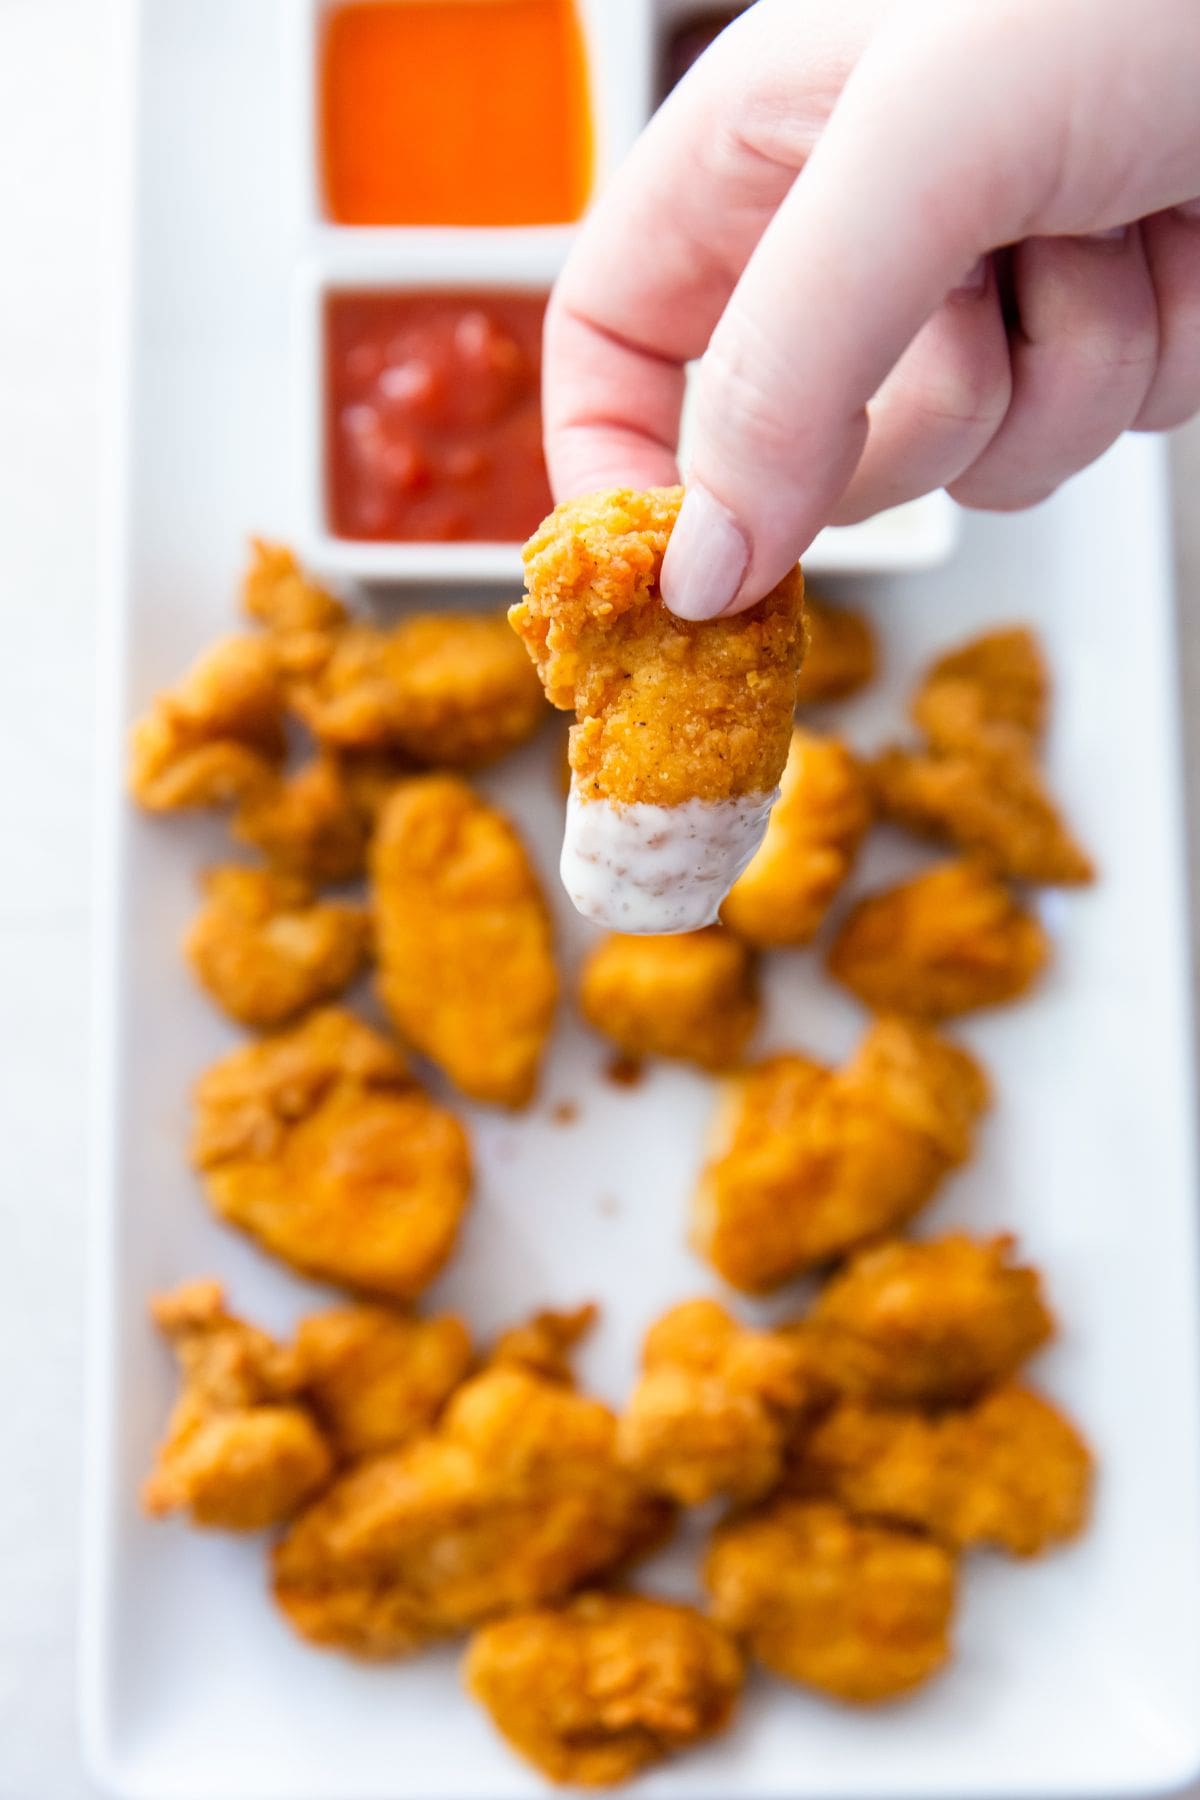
(1078,1676)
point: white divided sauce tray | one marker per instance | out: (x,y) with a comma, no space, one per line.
(1079,1675)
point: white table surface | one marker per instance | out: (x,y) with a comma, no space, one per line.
(53,194)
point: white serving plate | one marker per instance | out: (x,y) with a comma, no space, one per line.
(1076,1676)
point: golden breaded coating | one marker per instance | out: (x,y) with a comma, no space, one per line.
(266,950)
(714,1408)
(442,688)
(693,997)
(377,1378)
(310,824)
(604,1686)
(544,1343)
(1010,1471)
(951,939)
(819,821)
(841,654)
(465,955)
(240,1452)
(215,737)
(999,679)
(989,798)
(277,593)
(513,1500)
(320,1144)
(928,1324)
(810,1162)
(860,1611)
(667,710)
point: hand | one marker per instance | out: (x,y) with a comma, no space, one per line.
(819,211)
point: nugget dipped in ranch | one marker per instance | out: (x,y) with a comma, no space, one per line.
(682,728)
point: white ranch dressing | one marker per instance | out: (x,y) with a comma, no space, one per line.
(649,869)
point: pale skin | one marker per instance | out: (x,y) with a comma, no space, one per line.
(917,243)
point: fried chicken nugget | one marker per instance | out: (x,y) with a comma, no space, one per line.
(693,997)
(543,1343)
(466,960)
(277,593)
(809,1162)
(266,950)
(927,1324)
(215,737)
(320,1144)
(682,729)
(240,1452)
(1010,1471)
(952,939)
(857,1610)
(449,689)
(819,821)
(987,797)
(313,824)
(998,679)
(377,1378)
(604,1686)
(841,654)
(714,1408)
(513,1500)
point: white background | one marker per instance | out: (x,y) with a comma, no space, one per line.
(53,280)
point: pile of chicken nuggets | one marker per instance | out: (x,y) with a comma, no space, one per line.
(423,1486)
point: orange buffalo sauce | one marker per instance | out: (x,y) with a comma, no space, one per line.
(455,112)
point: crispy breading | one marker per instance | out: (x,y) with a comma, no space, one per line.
(277,593)
(809,1162)
(951,939)
(216,736)
(443,688)
(714,1408)
(693,997)
(465,955)
(605,1685)
(818,823)
(927,1324)
(240,1452)
(667,710)
(544,1343)
(320,1143)
(988,797)
(310,824)
(266,949)
(998,679)
(841,654)
(858,1610)
(1010,1471)
(376,1378)
(515,1499)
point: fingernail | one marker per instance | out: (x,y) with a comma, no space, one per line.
(1116,234)
(972,283)
(706,559)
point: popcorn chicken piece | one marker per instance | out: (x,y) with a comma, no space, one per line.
(988,798)
(377,1378)
(951,939)
(276,593)
(311,824)
(809,1162)
(214,738)
(515,1499)
(266,950)
(998,679)
(466,962)
(543,1344)
(1011,1471)
(682,729)
(692,997)
(604,1686)
(447,689)
(714,1408)
(841,654)
(240,1452)
(819,821)
(928,1324)
(859,1611)
(321,1145)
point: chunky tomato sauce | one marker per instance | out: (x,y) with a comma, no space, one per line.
(433,417)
